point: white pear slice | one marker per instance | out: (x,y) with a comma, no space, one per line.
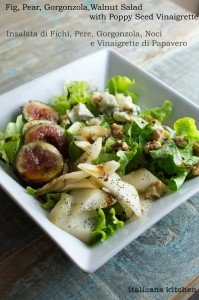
(61,182)
(125,193)
(104,170)
(91,153)
(111,166)
(90,199)
(81,184)
(142,179)
(68,217)
(84,145)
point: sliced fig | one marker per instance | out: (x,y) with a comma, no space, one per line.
(50,133)
(37,163)
(35,110)
(30,124)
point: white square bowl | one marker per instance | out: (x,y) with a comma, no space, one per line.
(96,68)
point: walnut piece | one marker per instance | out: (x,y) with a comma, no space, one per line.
(155,190)
(117,131)
(195,169)
(196,148)
(149,118)
(160,134)
(154,145)
(120,145)
(180,141)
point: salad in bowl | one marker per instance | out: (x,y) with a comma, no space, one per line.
(94,159)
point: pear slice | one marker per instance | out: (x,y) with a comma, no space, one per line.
(142,179)
(84,145)
(124,192)
(61,182)
(91,153)
(91,199)
(81,184)
(68,216)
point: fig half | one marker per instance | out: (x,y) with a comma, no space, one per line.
(30,124)
(50,133)
(37,163)
(35,110)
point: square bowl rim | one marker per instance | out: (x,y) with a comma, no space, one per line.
(92,260)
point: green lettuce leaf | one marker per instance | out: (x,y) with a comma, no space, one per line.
(2,136)
(175,182)
(61,104)
(100,231)
(104,157)
(79,92)
(31,191)
(171,164)
(159,113)
(11,145)
(74,152)
(11,139)
(3,154)
(15,127)
(138,140)
(47,201)
(107,223)
(93,109)
(106,121)
(121,84)
(124,159)
(108,147)
(168,149)
(187,154)
(187,128)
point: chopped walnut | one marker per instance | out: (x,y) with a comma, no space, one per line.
(117,131)
(97,98)
(195,169)
(155,190)
(154,145)
(180,141)
(120,145)
(149,118)
(196,148)
(160,134)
